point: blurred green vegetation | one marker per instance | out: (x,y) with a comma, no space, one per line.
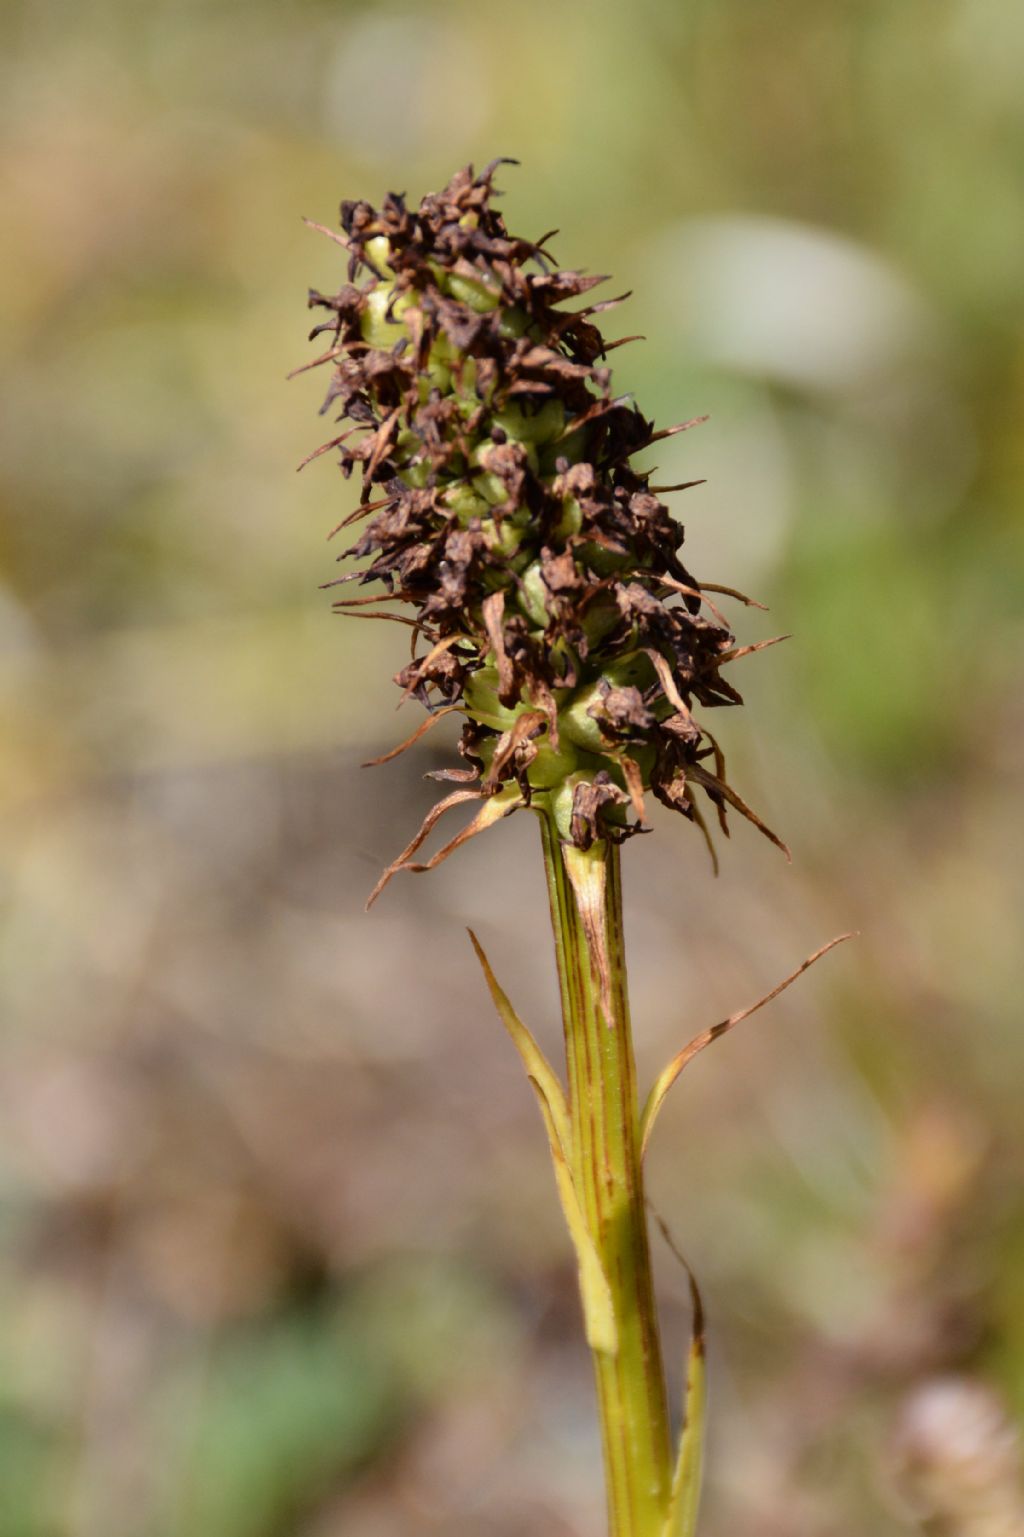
(280,1256)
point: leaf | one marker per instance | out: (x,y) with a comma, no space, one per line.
(595,1293)
(433,815)
(667,1077)
(719,791)
(421,730)
(686,1480)
(684,1498)
(493,809)
(538,1068)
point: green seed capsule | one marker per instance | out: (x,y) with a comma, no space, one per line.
(382,317)
(534,426)
(577,723)
(534,595)
(514,323)
(503,538)
(552,767)
(482,702)
(480,298)
(379,252)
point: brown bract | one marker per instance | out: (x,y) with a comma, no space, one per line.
(503,507)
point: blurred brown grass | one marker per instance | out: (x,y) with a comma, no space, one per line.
(280,1252)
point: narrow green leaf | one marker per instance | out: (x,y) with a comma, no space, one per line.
(668,1075)
(686,1480)
(538,1068)
(595,1293)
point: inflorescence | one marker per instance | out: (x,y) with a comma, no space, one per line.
(550,602)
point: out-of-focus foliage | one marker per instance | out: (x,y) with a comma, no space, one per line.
(281,1258)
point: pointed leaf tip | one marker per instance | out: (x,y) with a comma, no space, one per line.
(684,1500)
(686,1480)
(667,1077)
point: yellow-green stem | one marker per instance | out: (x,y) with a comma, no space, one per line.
(586,914)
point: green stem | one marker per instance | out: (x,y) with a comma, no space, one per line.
(586,915)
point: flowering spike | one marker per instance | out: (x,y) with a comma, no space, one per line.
(550,608)
(543,569)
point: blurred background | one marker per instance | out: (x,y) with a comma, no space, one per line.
(281,1252)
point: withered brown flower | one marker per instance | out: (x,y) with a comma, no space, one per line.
(550,604)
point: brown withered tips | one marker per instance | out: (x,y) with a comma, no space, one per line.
(502,504)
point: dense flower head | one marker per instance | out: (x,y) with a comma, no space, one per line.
(501,503)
